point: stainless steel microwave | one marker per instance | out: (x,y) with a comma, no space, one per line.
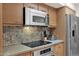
(35,17)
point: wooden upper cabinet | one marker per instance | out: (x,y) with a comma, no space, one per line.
(1,31)
(13,13)
(43,7)
(31,5)
(58,49)
(0,11)
(52,17)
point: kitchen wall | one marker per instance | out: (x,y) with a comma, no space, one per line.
(17,35)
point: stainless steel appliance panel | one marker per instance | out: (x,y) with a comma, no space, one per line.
(72,35)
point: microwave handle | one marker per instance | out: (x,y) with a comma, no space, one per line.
(47,19)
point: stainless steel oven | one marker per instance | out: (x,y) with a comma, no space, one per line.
(43,52)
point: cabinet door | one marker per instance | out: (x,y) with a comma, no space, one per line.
(13,13)
(1,31)
(58,49)
(52,17)
(43,7)
(25,54)
(31,5)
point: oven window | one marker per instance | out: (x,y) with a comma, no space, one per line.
(45,51)
(38,19)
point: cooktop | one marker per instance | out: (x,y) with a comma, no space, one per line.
(36,43)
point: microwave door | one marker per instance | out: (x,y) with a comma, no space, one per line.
(38,19)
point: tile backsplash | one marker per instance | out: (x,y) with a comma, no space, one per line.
(17,35)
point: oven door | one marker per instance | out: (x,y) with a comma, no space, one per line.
(38,19)
(43,52)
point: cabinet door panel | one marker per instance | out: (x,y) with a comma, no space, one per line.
(43,7)
(52,17)
(1,31)
(58,49)
(13,13)
(25,54)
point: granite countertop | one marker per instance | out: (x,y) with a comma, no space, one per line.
(15,49)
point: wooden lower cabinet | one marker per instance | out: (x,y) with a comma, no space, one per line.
(25,54)
(58,49)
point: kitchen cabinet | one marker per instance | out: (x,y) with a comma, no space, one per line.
(13,13)
(58,49)
(1,31)
(52,17)
(25,54)
(43,7)
(31,5)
